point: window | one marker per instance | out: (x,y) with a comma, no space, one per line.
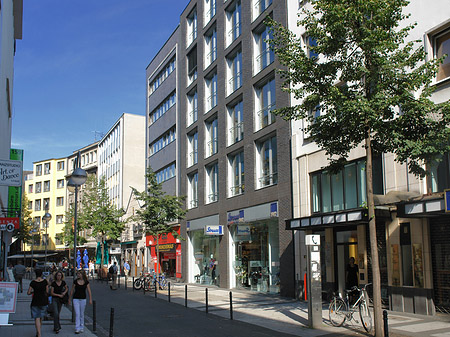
(46,204)
(211,91)
(210,46)
(441,45)
(234,65)
(233,22)
(60,166)
(36,239)
(309,44)
(263,55)
(38,187)
(59,219)
(266,163)
(406,251)
(191,27)
(155,83)
(192,66)
(439,178)
(60,201)
(37,205)
(192,148)
(60,183)
(193,190)
(39,170)
(37,222)
(47,168)
(161,142)
(236,174)
(210,10)
(235,123)
(165,173)
(212,183)
(345,189)
(47,186)
(30,188)
(30,205)
(260,6)
(192,107)
(45,239)
(58,241)
(211,137)
(163,107)
(265,103)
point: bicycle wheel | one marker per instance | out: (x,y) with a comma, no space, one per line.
(162,283)
(137,284)
(337,311)
(366,318)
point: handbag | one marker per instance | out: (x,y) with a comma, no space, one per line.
(65,298)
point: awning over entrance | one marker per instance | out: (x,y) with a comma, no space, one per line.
(28,256)
(354,216)
(427,207)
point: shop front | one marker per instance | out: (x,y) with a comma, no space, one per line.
(169,254)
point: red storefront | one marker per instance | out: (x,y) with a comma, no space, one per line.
(169,254)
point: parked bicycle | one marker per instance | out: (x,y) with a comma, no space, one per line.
(142,280)
(150,283)
(340,309)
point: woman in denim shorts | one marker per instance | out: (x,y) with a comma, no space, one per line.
(39,289)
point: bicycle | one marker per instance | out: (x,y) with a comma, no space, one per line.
(142,280)
(152,281)
(340,309)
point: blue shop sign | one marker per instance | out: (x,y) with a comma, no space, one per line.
(447,200)
(214,230)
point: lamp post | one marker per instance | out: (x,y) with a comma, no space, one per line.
(47,217)
(77,179)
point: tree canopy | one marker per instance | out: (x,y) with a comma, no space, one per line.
(23,234)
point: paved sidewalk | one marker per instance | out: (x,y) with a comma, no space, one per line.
(23,324)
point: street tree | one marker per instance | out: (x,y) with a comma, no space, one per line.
(159,212)
(24,232)
(99,213)
(66,236)
(373,87)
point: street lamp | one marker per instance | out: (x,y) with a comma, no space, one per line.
(78,178)
(47,217)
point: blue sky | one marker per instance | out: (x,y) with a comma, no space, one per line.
(79,66)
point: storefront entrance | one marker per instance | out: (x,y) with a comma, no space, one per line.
(206,254)
(346,247)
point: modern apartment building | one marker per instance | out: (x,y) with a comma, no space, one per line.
(162,145)
(234,162)
(46,192)
(412,225)
(121,160)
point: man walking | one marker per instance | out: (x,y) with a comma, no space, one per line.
(126,269)
(113,271)
(19,271)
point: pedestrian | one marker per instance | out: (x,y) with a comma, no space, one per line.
(113,271)
(58,291)
(352,278)
(78,294)
(39,302)
(126,269)
(19,271)
(91,268)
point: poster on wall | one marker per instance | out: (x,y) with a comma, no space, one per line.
(8,297)
(418,265)
(395,265)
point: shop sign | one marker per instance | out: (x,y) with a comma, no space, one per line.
(9,224)
(447,200)
(214,230)
(243,230)
(168,247)
(234,217)
(115,250)
(274,209)
(10,172)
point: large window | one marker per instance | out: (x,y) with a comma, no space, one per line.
(38,187)
(168,69)
(191,27)
(210,10)
(162,141)
(259,6)
(165,173)
(193,190)
(192,148)
(192,66)
(441,46)
(346,189)
(211,91)
(163,107)
(266,163)
(47,168)
(59,219)
(30,188)
(265,104)
(210,46)
(235,123)
(192,101)
(211,137)
(39,170)
(439,178)
(234,71)
(212,183)
(47,186)
(60,166)
(236,174)
(60,201)
(263,55)
(37,205)
(233,23)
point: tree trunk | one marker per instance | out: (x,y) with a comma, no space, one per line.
(376,282)
(157,257)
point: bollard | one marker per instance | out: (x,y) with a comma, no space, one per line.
(169,292)
(206,298)
(385,320)
(94,316)
(111,323)
(118,280)
(133,284)
(143,285)
(185,295)
(156,287)
(126,283)
(231,305)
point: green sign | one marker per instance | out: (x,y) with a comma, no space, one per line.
(15,192)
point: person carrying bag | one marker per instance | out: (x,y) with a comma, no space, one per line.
(60,295)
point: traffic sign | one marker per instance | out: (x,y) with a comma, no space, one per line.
(9,224)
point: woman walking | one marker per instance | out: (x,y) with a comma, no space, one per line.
(78,294)
(39,289)
(58,290)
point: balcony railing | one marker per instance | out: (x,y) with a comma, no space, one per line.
(264,59)
(237,189)
(212,146)
(211,101)
(193,203)
(210,13)
(193,157)
(260,6)
(234,83)
(237,133)
(211,56)
(192,36)
(193,116)
(265,116)
(192,75)
(234,32)
(268,179)
(213,197)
